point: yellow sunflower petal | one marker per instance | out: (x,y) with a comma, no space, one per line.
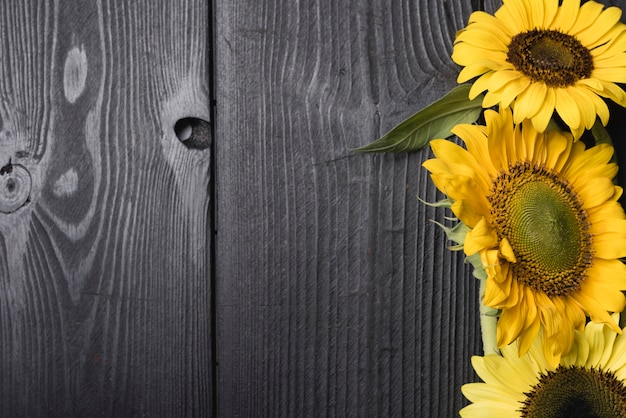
(471,71)
(482,236)
(567,108)
(599,105)
(615,61)
(510,324)
(550,11)
(483,36)
(507,251)
(527,338)
(594,308)
(514,13)
(529,102)
(460,162)
(481,391)
(613,92)
(597,358)
(586,105)
(500,50)
(497,293)
(537,292)
(606,20)
(497,371)
(596,191)
(610,243)
(613,74)
(614,42)
(489,410)
(557,150)
(584,159)
(587,15)
(602,339)
(566,15)
(617,359)
(612,300)
(607,277)
(513,89)
(544,114)
(480,85)
(476,142)
(470,210)
(608,211)
(501,78)
(490,23)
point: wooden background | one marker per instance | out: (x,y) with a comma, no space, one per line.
(245,263)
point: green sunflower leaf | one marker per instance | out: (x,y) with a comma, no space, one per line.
(600,134)
(434,121)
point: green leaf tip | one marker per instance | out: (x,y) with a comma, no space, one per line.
(434,121)
(456,233)
(600,134)
(443,203)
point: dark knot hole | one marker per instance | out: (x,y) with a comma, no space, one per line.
(193,133)
(11,186)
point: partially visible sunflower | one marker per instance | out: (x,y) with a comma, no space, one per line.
(588,382)
(545,221)
(538,56)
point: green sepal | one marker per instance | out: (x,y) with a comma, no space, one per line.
(456,233)
(434,121)
(600,134)
(479,271)
(553,126)
(443,203)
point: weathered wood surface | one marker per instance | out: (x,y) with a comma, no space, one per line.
(105,271)
(336,295)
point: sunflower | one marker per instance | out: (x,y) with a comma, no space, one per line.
(588,382)
(538,56)
(545,222)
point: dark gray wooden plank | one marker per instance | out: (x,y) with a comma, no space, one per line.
(105,271)
(336,295)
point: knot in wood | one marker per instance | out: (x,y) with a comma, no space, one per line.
(15,187)
(194,133)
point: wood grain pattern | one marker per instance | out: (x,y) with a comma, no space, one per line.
(105,272)
(336,295)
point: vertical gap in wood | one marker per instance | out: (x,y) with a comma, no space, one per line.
(478,5)
(213,204)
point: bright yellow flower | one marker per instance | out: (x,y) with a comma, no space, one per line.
(545,222)
(588,382)
(537,57)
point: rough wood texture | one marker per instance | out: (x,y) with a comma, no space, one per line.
(105,271)
(336,295)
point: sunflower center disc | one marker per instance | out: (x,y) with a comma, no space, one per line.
(550,56)
(576,392)
(546,226)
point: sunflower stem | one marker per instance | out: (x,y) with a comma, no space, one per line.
(488,322)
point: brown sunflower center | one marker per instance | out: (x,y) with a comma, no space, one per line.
(546,225)
(576,392)
(550,56)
